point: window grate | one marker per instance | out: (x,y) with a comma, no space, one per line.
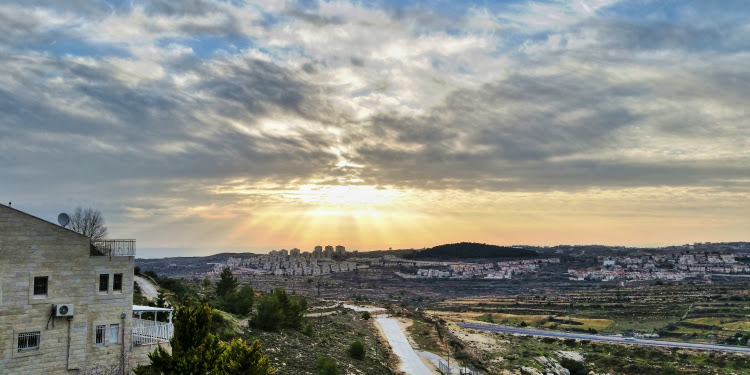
(100,334)
(103,282)
(29,340)
(40,285)
(117,282)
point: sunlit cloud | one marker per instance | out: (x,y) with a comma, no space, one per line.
(272,124)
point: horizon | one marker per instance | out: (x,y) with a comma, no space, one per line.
(380,124)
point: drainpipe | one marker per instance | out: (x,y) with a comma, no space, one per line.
(122,345)
(78,370)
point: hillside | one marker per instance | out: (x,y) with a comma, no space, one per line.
(471,250)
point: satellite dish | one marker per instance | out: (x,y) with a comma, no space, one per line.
(63,219)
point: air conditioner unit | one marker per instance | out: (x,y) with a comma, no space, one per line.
(64,310)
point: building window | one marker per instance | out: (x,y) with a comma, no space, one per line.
(117,282)
(114,336)
(100,334)
(40,285)
(103,282)
(29,340)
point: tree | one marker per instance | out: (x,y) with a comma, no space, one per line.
(227,284)
(240,302)
(277,309)
(357,350)
(269,314)
(206,283)
(366,315)
(242,359)
(196,351)
(89,222)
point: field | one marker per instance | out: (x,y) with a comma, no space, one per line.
(708,313)
(503,352)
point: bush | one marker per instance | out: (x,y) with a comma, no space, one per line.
(240,302)
(327,366)
(366,315)
(308,331)
(277,309)
(357,350)
(575,367)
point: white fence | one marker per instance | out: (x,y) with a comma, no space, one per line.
(145,334)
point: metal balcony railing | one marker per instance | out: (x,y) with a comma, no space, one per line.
(148,332)
(117,248)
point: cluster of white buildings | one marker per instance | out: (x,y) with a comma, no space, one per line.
(675,266)
(491,270)
(291,263)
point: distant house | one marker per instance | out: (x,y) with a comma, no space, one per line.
(66,303)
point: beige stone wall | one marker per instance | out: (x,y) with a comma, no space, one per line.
(32,247)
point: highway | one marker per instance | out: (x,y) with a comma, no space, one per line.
(622,340)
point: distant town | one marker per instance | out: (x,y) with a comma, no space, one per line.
(672,263)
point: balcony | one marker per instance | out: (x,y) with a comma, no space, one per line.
(113,248)
(151,332)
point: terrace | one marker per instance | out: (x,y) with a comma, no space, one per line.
(117,248)
(150,332)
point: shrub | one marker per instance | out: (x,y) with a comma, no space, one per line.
(308,331)
(575,367)
(366,315)
(327,366)
(357,350)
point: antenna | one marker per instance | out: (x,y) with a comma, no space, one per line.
(63,219)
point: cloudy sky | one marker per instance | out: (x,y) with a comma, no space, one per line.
(373,124)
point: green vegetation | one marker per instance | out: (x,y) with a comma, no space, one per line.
(357,350)
(366,315)
(293,352)
(276,310)
(308,330)
(470,250)
(327,366)
(518,351)
(227,284)
(426,336)
(195,350)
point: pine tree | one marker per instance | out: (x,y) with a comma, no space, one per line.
(227,284)
(196,351)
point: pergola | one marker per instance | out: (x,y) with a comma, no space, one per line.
(138,309)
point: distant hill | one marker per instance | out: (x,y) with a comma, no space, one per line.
(467,250)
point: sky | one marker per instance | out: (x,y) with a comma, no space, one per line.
(213,125)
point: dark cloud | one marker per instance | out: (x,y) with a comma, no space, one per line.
(356,61)
(531,132)
(659,35)
(101,128)
(308,13)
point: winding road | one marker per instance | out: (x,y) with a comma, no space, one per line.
(622,340)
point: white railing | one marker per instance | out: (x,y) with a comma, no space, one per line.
(151,334)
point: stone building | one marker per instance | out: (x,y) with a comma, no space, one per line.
(66,304)
(340,251)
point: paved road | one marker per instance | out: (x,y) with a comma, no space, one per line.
(147,288)
(410,362)
(582,336)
